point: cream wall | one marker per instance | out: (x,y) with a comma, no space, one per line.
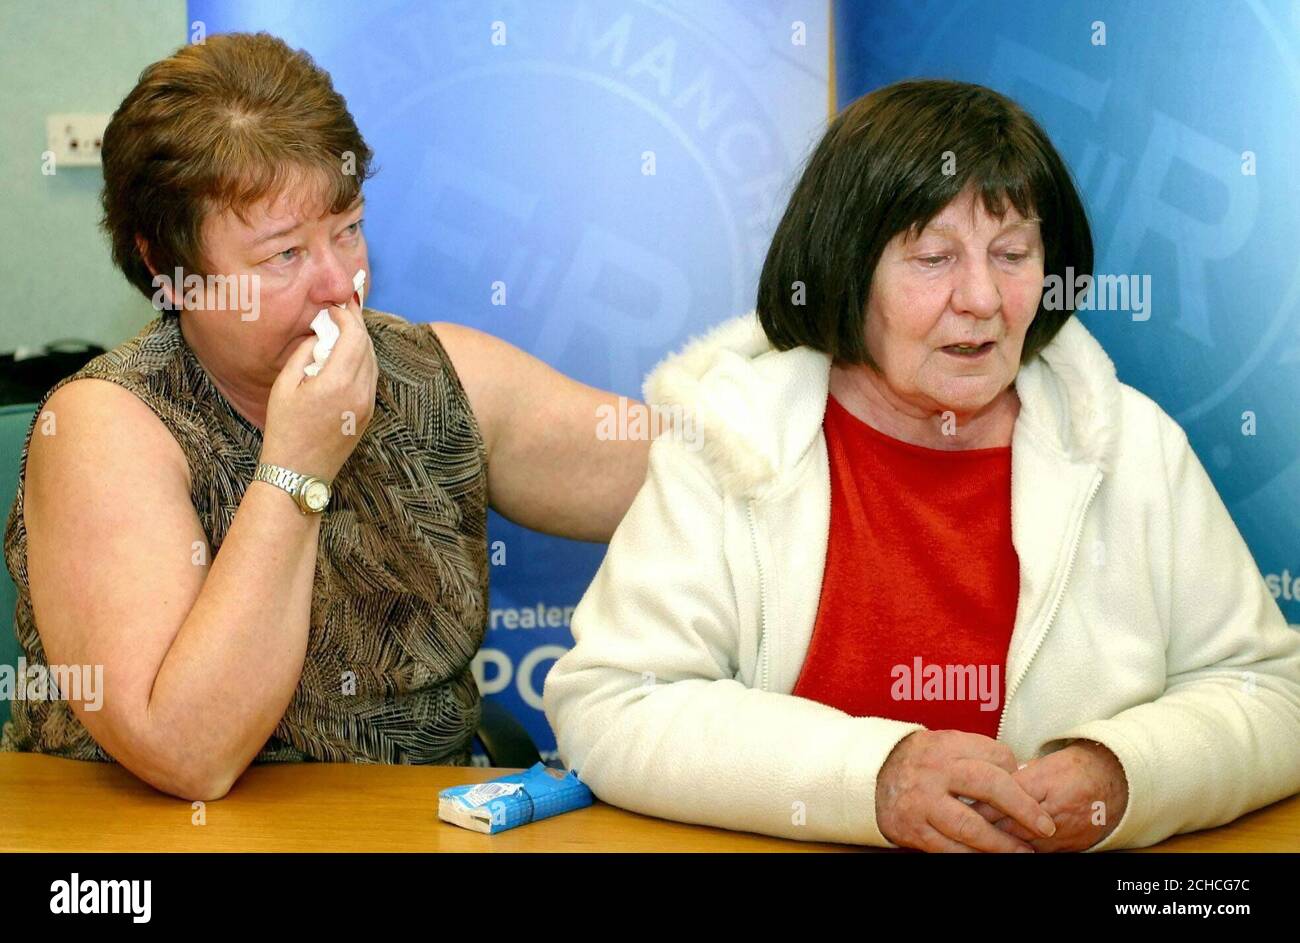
(56,278)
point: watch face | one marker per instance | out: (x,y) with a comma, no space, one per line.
(317,495)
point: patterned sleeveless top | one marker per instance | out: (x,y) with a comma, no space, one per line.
(399,598)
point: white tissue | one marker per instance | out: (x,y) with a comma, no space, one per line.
(327,332)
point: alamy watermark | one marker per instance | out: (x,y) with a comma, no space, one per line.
(194,292)
(87,896)
(1086,292)
(38,682)
(921,682)
(630,420)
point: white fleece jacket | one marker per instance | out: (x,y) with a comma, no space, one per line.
(1143,622)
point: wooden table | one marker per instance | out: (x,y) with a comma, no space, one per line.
(52,804)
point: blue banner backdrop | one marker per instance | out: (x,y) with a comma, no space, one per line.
(1178,119)
(513,141)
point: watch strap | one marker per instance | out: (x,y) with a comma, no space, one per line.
(287,480)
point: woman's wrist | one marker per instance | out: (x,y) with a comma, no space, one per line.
(1114,777)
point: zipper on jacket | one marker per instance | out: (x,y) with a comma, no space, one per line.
(764,643)
(1056,603)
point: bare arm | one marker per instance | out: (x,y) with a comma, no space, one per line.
(547,469)
(200,656)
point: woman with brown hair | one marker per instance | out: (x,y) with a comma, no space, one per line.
(933,549)
(272,565)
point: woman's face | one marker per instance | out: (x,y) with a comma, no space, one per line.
(968,277)
(303,258)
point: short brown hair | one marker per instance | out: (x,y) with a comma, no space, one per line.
(877,172)
(221,125)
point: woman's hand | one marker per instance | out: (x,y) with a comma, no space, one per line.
(1082,787)
(314,423)
(917,804)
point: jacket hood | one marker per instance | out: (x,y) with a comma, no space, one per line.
(758,410)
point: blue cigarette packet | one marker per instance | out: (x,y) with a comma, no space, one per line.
(510,801)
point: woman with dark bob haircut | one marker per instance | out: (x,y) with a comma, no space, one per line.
(936,579)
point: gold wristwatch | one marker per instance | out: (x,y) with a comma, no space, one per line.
(310,493)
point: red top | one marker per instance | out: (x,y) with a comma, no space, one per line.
(919,594)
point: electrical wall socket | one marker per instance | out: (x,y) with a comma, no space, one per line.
(75,139)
